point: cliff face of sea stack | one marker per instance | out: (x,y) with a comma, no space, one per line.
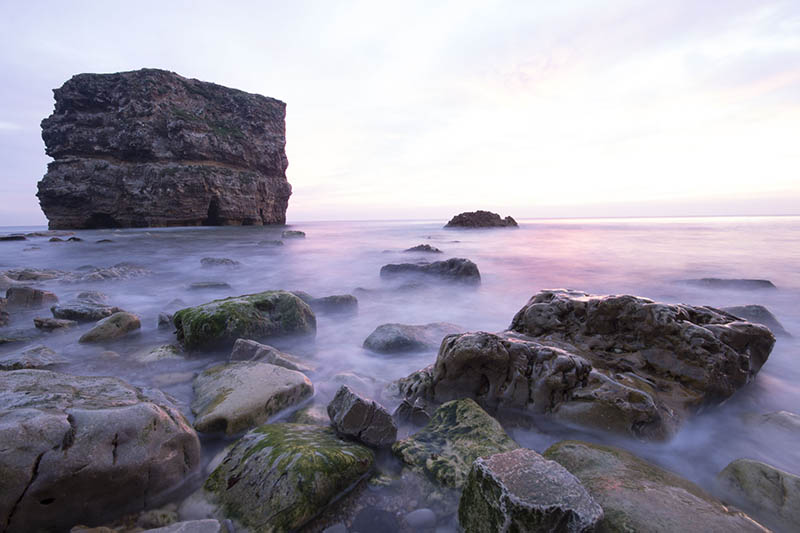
(152,148)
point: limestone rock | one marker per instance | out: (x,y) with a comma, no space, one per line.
(37,357)
(86,449)
(277,477)
(459,432)
(113,327)
(769,494)
(758,314)
(151,148)
(247,350)
(362,419)
(89,306)
(50,324)
(393,338)
(522,491)
(260,316)
(238,396)
(29,298)
(638,496)
(454,269)
(480,219)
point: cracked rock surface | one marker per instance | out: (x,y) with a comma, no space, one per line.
(361,418)
(84,449)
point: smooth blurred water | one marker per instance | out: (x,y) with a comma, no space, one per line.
(644,257)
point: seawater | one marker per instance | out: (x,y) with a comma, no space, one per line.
(644,257)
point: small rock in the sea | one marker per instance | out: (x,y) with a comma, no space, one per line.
(48,323)
(421,519)
(270,243)
(219,262)
(74,239)
(103,241)
(424,248)
(37,357)
(453,269)
(480,219)
(248,350)
(725,283)
(13,238)
(525,492)
(29,298)
(112,327)
(159,353)
(394,338)
(209,285)
(56,239)
(758,314)
(293,234)
(235,397)
(767,493)
(164,321)
(361,419)
(88,306)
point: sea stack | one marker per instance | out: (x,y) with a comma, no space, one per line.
(152,148)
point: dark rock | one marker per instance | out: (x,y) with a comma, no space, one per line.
(293,234)
(12,238)
(260,316)
(424,248)
(53,323)
(394,338)
(374,520)
(74,239)
(112,327)
(414,413)
(480,219)
(638,496)
(86,449)
(270,243)
(103,241)
(740,284)
(248,350)
(29,298)
(5,317)
(89,306)
(209,285)
(361,419)
(619,363)
(151,148)
(32,274)
(454,269)
(219,262)
(758,314)
(56,239)
(522,491)
(165,321)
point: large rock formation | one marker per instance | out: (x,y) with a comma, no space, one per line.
(151,148)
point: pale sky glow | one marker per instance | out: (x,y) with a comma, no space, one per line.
(424,109)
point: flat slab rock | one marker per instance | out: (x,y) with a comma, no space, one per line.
(522,491)
(89,306)
(235,397)
(362,419)
(394,338)
(638,496)
(86,449)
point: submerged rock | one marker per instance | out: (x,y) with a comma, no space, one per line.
(13,238)
(480,219)
(739,284)
(208,285)
(758,314)
(293,234)
(113,327)
(522,491)
(279,476)
(769,494)
(454,269)
(247,350)
(619,363)
(159,353)
(424,248)
(260,316)
(29,298)
(151,148)
(238,396)
(459,432)
(37,357)
(334,304)
(393,338)
(89,306)
(638,496)
(361,419)
(211,262)
(86,449)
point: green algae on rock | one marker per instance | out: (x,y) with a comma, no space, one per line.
(639,496)
(259,316)
(277,477)
(459,432)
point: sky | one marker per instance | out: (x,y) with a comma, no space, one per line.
(420,110)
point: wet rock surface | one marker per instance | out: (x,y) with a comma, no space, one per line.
(112,327)
(247,350)
(362,419)
(50,324)
(454,269)
(152,148)
(522,491)
(758,314)
(638,496)
(394,338)
(480,219)
(31,358)
(85,449)
(89,306)
(235,397)
(260,316)
(29,298)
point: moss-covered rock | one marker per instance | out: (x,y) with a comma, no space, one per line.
(459,432)
(264,315)
(639,496)
(279,476)
(113,327)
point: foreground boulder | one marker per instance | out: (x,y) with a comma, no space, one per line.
(454,269)
(758,314)
(86,449)
(459,432)
(260,316)
(113,327)
(393,338)
(279,476)
(480,219)
(619,363)
(769,494)
(236,397)
(522,491)
(361,419)
(247,350)
(89,306)
(151,148)
(638,496)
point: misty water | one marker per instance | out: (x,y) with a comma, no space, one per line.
(644,257)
